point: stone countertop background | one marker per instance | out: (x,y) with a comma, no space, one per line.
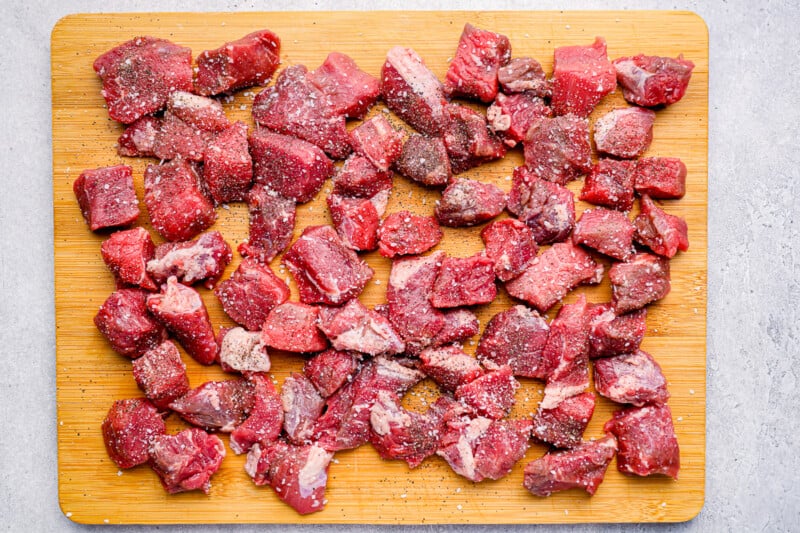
(753,277)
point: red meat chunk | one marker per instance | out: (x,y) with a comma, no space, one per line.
(663,233)
(228,167)
(178,139)
(464,281)
(353,327)
(242,351)
(138,139)
(272,219)
(458,325)
(582,76)
(403,233)
(139,75)
(524,75)
(490,395)
(558,149)
(634,378)
(242,63)
(204,258)
(642,280)
(468,202)
(204,114)
(292,327)
(468,140)
(612,334)
(326,271)
(378,141)
(106,197)
(652,80)
(546,207)
(126,254)
(512,116)
(412,91)
(123,320)
(624,133)
(182,311)
(610,184)
(660,177)
(360,179)
(331,369)
(178,206)
(349,90)
(424,160)
(473,70)
(516,337)
(186,461)
(607,231)
(216,405)
(251,293)
(263,424)
(356,221)
(449,366)
(582,467)
(161,375)
(647,442)
(566,354)
(293,167)
(563,426)
(129,428)
(553,274)
(302,406)
(510,244)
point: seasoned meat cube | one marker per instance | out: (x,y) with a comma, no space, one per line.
(138,139)
(468,140)
(546,207)
(473,70)
(449,366)
(652,80)
(356,221)
(242,63)
(516,337)
(161,375)
(251,293)
(349,90)
(204,258)
(642,280)
(558,149)
(265,420)
(510,244)
(563,425)
(302,406)
(377,140)
(624,133)
(228,167)
(330,369)
(468,202)
(582,76)
(359,178)
(607,231)
(634,378)
(663,233)
(610,184)
(178,139)
(464,281)
(458,325)
(186,461)
(490,395)
(647,442)
(660,177)
(205,114)
(242,351)
(272,219)
(126,254)
(128,429)
(354,327)
(123,320)
(424,159)
(403,233)
(216,405)
(106,197)
(524,74)
(612,334)
(582,467)
(292,327)
(512,116)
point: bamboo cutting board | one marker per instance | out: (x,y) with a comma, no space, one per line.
(362,488)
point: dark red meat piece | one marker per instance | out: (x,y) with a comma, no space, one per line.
(524,74)
(216,405)
(292,326)
(377,140)
(123,320)
(512,116)
(468,202)
(403,233)
(349,90)
(242,351)
(647,442)
(263,424)
(563,425)
(663,233)
(607,231)
(558,149)
(660,177)
(464,281)
(473,70)
(244,62)
(510,244)
(642,280)
(624,133)
(302,406)
(653,80)
(582,76)
(204,258)
(424,159)
(546,207)
(178,139)
(272,219)
(360,179)
(354,327)
(612,334)
(449,366)
(330,369)
(516,337)
(582,467)
(634,378)
(490,395)
(610,184)
(356,221)
(204,114)
(228,167)
(126,254)
(186,461)
(458,325)
(106,197)
(251,293)
(566,354)
(138,139)
(468,140)
(128,429)
(161,374)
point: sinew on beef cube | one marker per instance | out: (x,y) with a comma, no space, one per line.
(242,63)
(510,244)
(251,293)
(204,258)
(106,197)
(563,426)
(582,76)
(524,74)
(660,177)
(607,231)
(349,90)
(302,405)
(642,280)
(464,281)
(123,320)
(651,80)
(403,233)
(354,327)
(473,70)
(634,378)
(330,369)
(271,224)
(228,167)
(612,334)
(424,159)
(265,419)
(468,140)
(491,394)
(128,429)
(547,208)
(558,149)
(292,326)
(359,178)
(624,133)
(126,254)
(663,233)
(449,366)
(216,405)
(377,140)
(161,374)
(138,139)
(511,117)
(187,460)
(610,184)
(356,221)
(516,337)
(468,202)
(647,442)
(242,351)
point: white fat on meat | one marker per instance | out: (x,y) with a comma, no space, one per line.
(313,474)
(243,351)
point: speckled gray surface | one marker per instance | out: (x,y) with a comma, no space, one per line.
(753,326)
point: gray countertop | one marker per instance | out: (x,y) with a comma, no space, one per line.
(753,285)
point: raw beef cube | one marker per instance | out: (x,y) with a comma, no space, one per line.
(624,133)
(660,177)
(126,254)
(302,406)
(473,70)
(272,219)
(330,369)
(294,106)
(251,293)
(292,326)
(634,378)
(642,280)
(186,461)
(138,139)
(546,207)
(242,351)
(516,337)
(524,74)
(412,91)
(161,374)
(178,139)
(349,90)
(563,425)
(424,159)
(647,442)
(510,244)
(464,281)
(566,354)
(490,395)
(293,167)
(360,179)
(468,202)
(398,433)
(468,139)
(612,334)
(652,80)
(178,206)
(355,328)
(356,221)
(216,405)
(106,197)
(553,274)
(139,75)
(263,424)
(183,313)
(123,320)
(205,114)
(512,116)
(449,366)
(558,149)
(326,271)
(607,231)
(242,63)
(663,233)
(204,258)
(228,167)
(582,76)
(610,184)
(582,467)
(129,428)
(458,325)
(403,233)
(378,141)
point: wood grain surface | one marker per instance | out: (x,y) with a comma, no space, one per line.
(362,488)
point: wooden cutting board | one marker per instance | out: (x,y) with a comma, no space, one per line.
(362,488)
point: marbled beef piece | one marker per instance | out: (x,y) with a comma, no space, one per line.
(473,70)
(216,405)
(265,419)
(607,231)
(292,326)
(512,116)
(634,378)
(128,429)
(553,274)
(663,233)
(458,326)
(356,221)
(516,337)
(449,366)
(228,167)
(651,80)
(424,160)
(610,184)
(242,351)
(647,442)
(358,178)
(251,293)
(178,139)
(491,394)
(176,200)
(403,233)
(242,63)
(524,75)
(331,369)
(511,245)
(186,461)
(660,177)
(326,271)
(139,75)
(205,114)
(355,328)
(126,254)
(464,281)
(302,406)
(123,320)
(624,133)
(642,280)
(412,91)
(138,139)
(468,140)
(272,219)
(558,149)
(468,202)
(106,197)
(161,374)
(377,140)
(204,258)
(348,90)
(563,426)
(582,467)
(612,334)
(546,207)
(582,76)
